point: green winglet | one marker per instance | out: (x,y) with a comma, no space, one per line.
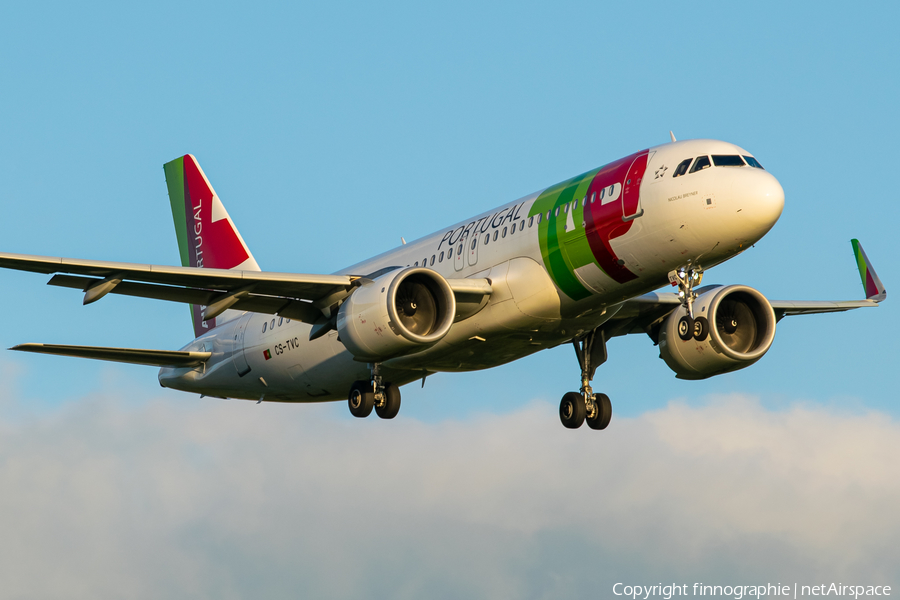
(871,283)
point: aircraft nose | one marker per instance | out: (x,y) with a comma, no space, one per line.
(759,199)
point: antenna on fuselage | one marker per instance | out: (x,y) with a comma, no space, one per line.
(403,240)
(672,135)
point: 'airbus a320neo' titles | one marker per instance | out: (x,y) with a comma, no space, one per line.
(576,263)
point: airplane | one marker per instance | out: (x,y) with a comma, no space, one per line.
(579,262)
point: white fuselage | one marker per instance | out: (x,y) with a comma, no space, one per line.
(700,218)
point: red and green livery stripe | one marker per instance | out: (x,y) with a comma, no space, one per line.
(566,245)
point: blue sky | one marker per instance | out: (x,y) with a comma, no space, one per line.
(331,131)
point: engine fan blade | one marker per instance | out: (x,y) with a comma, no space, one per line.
(736,324)
(416,307)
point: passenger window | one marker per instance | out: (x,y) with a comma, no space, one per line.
(496,233)
(753,162)
(549,212)
(575,205)
(474,242)
(417,264)
(432,260)
(682,167)
(539,218)
(487,238)
(266,324)
(504,232)
(727,160)
(280,321)
(522,225)
(593,196)
(459,249)
(602,194)
(449,253)
(701,163)
(425,262)
(557,210)
(512,229)
(566,208)
(441,259)
(272,324)
(530,221)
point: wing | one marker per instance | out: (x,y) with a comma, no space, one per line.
(643,313)
(156,358)
(291,295)
(304,297)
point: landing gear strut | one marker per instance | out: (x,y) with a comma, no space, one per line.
(366,395)
(689,326)
(586,406)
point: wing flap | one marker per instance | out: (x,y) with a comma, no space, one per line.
(155,358)
(285,307)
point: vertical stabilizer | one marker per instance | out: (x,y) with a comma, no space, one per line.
(207,237)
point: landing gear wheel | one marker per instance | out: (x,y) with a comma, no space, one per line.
(572,410)
(701,329)
(602,414)
(686,328)
(391,405)
(361,399)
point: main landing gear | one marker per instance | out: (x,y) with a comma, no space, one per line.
(366,395)
(689,326)
(586,406)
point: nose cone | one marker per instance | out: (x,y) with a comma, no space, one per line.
(758,200)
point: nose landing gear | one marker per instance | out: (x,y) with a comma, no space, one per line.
(689,326)
(366,395)
(577,408)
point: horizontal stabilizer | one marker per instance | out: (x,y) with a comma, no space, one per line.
(156,358)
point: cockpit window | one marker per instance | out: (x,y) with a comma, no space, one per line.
(727,160)
(753,162)
(682,167)
(701,163)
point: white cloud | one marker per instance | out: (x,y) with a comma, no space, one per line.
(227,499)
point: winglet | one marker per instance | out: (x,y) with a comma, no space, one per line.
(871,283)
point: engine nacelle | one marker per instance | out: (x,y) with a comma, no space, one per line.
(741,331)
(403,311)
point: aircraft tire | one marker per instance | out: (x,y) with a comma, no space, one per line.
(572,410)
(701,329)
(604,412)
(361,399)
(391,402)
(685,328)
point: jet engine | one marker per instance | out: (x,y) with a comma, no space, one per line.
(741,331)
(403,311)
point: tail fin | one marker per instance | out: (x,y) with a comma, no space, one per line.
(871,283)
(206,234)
